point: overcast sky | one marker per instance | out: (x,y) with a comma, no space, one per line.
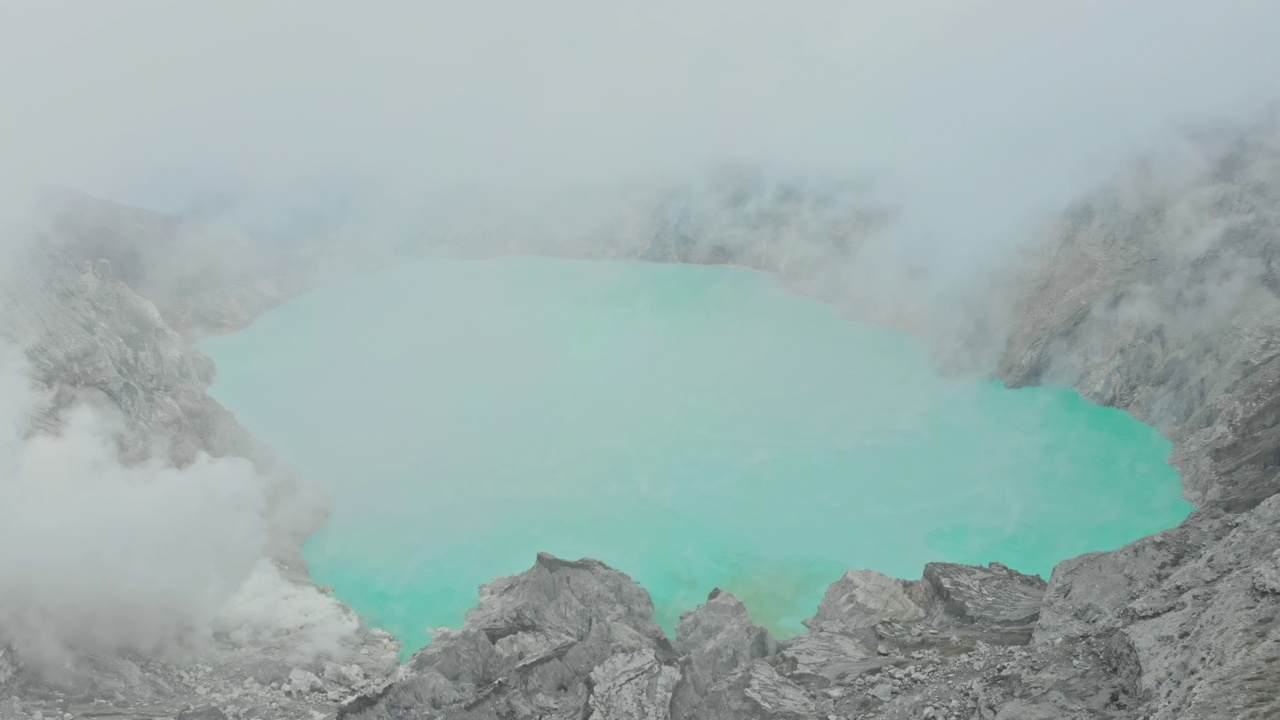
(959,99)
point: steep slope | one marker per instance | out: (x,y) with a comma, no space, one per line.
(90,340)
(1161,297)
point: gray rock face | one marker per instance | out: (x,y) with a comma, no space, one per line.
(1189,626)
(760,692)
(863,598)
(718,640)
(992,596)
(996,603)
(89,338)
(1162,298)
(577,639)
(824,657)
(565,639)
(632,686)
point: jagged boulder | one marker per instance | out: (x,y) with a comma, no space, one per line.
(821,657)
(864,598)
(992,596)
(565,639)
(632,686)
(718,641)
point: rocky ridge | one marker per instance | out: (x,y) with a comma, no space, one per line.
(576,639)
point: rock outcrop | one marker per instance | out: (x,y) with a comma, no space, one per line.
(993,597)
(574,639)
(863,598)
(717,640)
(565,639)
(89,338)
(1188,615)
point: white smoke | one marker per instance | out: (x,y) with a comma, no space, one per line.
(270,611)
(99,557)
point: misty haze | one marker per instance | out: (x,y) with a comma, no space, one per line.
(853,360)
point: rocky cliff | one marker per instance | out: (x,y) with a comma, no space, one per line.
(1157,295)
(576,639)
(1160,296)
(89,339)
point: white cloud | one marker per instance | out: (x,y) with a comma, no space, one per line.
(269,611)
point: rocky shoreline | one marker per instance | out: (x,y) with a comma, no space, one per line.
(577,639)
(1136,306)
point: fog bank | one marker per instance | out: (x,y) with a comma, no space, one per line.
(976,115)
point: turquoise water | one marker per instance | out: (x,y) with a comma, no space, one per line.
(694,426)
